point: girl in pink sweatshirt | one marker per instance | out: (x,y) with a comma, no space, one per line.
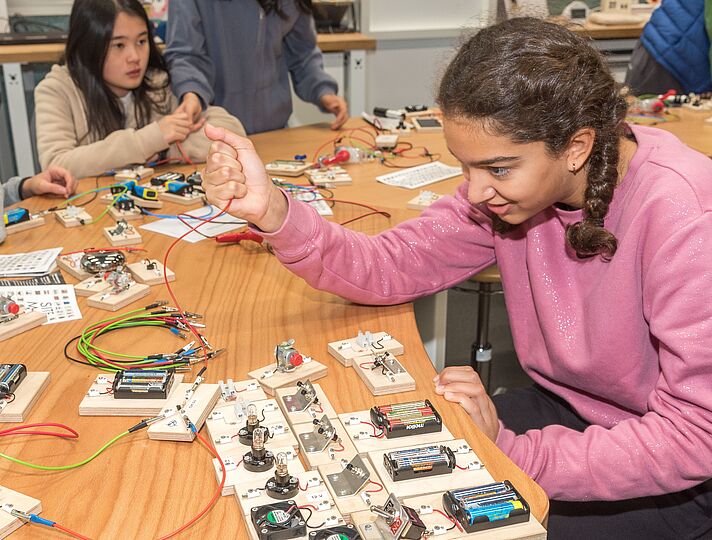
(603,236)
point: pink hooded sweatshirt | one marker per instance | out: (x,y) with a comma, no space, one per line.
(627,343)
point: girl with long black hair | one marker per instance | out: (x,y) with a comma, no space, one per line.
(110,104)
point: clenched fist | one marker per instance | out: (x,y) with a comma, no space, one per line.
(234,172)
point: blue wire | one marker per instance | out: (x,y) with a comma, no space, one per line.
(34,518)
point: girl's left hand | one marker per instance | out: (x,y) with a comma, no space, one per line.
(462,385)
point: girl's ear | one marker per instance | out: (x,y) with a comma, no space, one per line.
(579,149)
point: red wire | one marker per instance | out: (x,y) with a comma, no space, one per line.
(380,487)
(94,250)
(70,532)
(340,449)
(21,430)
(451,520)
(183,154)
(375,432)
(316,154)
(183,318)
(216,496)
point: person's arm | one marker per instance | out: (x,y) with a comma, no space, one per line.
(306,64)
(11,191)
(58,141)
(398,265)
(192,71)
(669,448)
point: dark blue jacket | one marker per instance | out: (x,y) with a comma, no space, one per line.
(233,55)
(677,39)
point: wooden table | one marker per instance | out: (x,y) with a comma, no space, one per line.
(603,31)
(692,128)
(141,488)
(50,53)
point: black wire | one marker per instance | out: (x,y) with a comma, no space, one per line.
(75,360)
(310,516)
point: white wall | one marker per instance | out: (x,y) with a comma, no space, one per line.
(416,40)
(30,8)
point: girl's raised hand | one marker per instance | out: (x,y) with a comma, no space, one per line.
(234,172)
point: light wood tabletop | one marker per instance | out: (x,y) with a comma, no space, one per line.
(52,52)
(141,488)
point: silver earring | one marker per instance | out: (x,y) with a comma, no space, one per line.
(573,167)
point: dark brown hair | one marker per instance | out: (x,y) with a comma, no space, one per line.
(91,25)
(535,81)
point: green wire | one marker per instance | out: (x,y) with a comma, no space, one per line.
(106,209)
(66,467)
(124,320)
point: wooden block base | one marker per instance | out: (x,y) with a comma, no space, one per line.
(324,407)
(186,200)
(423,200)
(91,286)
(128,237)
(99,402)
(126,215)
(291,168)
(370,444)
(71,264)
(347,351)
(141,273)
(23,503)
(244,392)
(458,478)
(236,474)
(311,370)
(172,428)
(530,530)
(27,320)
(25,225)
(365,522)
(136,174)
(381,383)
(114,302)
(72,221)
(358,502)
(26,395)
(333,451)
(224,422)
(250,494)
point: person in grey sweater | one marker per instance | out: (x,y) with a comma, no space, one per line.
(52,181)
(239,54)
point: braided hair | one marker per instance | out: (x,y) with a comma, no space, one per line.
(535,81)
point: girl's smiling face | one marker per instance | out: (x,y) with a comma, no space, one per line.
(516,180)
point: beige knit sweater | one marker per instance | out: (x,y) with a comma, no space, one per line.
(61,123)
